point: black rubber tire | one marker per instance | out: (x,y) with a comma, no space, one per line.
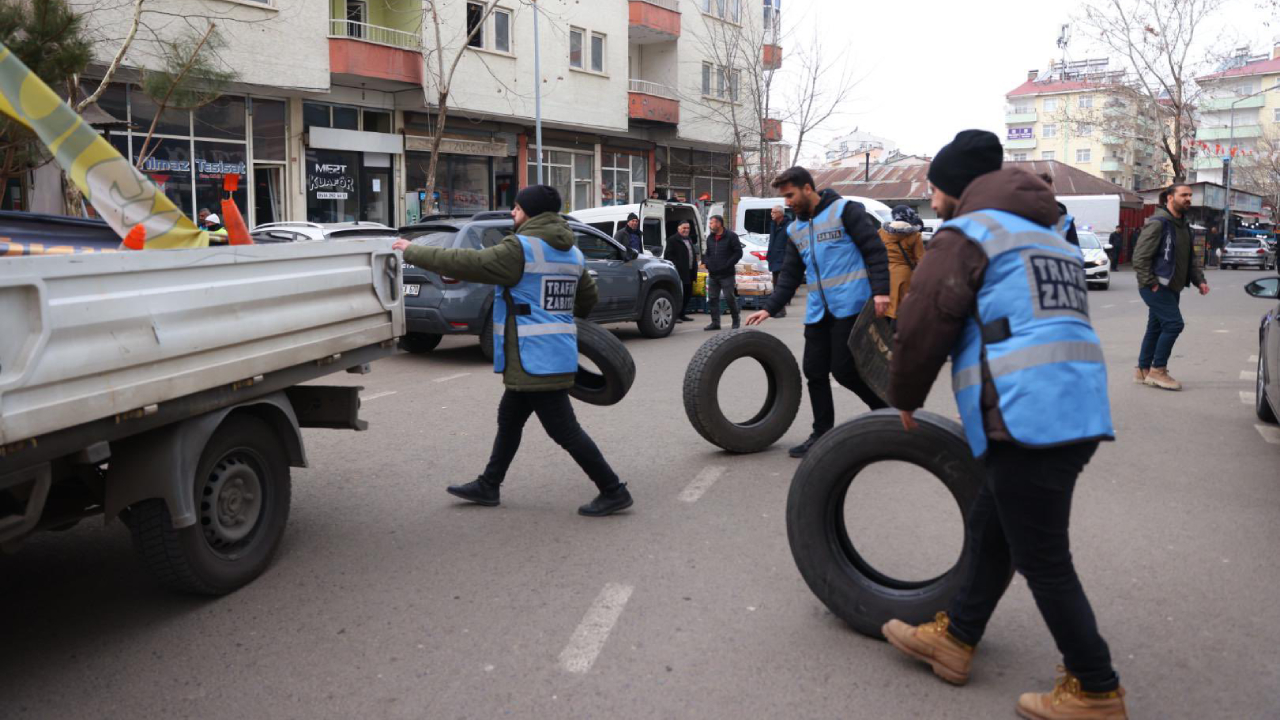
(182,559)
(844,582)
(650,326)
(1261,404)
(486,337)
(420,343)
(702,387)
(617,367)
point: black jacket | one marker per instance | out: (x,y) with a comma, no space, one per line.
(722,254)
(863,231)
(686,265)
(777,247)
(1072,237)
(633,239)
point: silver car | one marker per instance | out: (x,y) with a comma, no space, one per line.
(301,231)
(1248,252)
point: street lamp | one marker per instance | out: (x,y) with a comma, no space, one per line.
(1226,165)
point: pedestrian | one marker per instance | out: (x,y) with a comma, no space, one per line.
(630,236)
(724,250)
(1113,241)
(543,284)
(1004,294)
(902,239)
(1165,264)
(681,252)
(832,245)
(777,246)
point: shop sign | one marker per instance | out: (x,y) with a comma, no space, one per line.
(454,146)
(330,181)
(1021,133)
(153,164)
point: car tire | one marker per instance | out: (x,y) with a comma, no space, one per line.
(702,386)
(243,459)
(419,343)
(486,337)
(658,315)
(617,367)
(849,586)
(1261,403)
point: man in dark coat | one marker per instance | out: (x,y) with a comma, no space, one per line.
(629,235)
(777,246)
(724,250)
(682,253)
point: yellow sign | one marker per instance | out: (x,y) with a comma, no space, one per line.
(122,195)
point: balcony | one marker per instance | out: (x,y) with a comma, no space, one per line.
(1224,103)
(1020,118)
(375,51)
(653,21)
(651,102)
(1113,140)
(772,56)
(1113,165)
(1225,133)
(770,129)
(1020,144)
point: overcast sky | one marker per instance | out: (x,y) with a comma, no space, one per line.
(934,67)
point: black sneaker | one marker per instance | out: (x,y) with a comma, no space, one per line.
(800,450)
(684,318)
(737,324)
(712,326)
(781,313)
(608,503)
(477,491)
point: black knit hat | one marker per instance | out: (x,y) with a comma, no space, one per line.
(970,154)
(632,216)
(537,199)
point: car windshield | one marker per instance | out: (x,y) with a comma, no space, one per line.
(431,238)
(1089,241)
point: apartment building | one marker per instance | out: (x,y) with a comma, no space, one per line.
(332,106)
(1239,114)
(857,147)
(1075,114)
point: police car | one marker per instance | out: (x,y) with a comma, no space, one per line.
(1097,266)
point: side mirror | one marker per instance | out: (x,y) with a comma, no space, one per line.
(1108,247)
(1266,288)
(631,254)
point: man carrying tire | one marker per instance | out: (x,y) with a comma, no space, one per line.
(1003,292)
(544,284)
(834,246)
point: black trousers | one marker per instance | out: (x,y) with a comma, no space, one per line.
(826,355)
(557,418)
(687,289)
(1019,522)
(728,286)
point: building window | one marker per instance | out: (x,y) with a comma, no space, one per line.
(597,52)
(1051,105)
(1049,130)
(475,24)
(734,79)
(575,48)
(1084,129)
(1047,155)
(571,173)
(624,177)
(1022,109)
(502,31)
(730,10)
(1019,157)
(727,82)
(706,79)
(1084,102)
(1275,117)
(1084,155)
(357,12)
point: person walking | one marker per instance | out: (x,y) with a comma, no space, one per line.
(833,245)
(724,250)
(629,235)
(777,245)
(1165,264)
(681,253)
(1004,293)
(1114,240)
(902,240)
(543,284)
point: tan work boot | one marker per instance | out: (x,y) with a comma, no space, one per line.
(1140,376)
(930,642)
(1069,702)
(1160,377)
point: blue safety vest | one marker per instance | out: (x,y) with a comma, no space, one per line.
(832,263)
(543,305)
(1031,335)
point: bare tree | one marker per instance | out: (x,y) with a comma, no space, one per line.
(190,79)
(820,92)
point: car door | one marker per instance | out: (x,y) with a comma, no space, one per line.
(616,278)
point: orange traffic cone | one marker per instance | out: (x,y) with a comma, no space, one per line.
(237,231)
(136,239)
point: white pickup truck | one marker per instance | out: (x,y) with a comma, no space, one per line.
(165,388)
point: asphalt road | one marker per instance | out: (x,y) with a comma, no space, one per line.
(389,599)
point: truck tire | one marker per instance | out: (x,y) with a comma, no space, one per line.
(419,343)
(658,315)
(242,491)
(702,386)
(849,586)
(617,367)
(486,337)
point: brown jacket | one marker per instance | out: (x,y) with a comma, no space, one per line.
(945,289)
(906,250)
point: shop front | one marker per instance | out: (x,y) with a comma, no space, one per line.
(472,175)
(689,175)
(349,171)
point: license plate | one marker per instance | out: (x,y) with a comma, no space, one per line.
(411,290)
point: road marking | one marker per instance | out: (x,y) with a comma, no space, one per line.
(1246,397)
(588,640)
(1248,374)
(1104,307)
(1269,433)
(1131,302)
(703,482)
(1253,360)
(447,378)
(1222,331)
(375,396)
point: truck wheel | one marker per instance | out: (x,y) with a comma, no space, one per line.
(848,585)
(658,316)
(242,490)
(617,367)
(702,388)
(486,338)
(419,343)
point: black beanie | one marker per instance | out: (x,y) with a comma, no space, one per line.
(537,199)
(632,216)
(970,154)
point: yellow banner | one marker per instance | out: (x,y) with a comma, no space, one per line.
(122,195)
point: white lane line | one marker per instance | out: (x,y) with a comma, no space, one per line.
(1131,302)
(1104,307)
(1223,332)
(1248,374)
(375,396)
(703,482)
(1269,433)
(447,378)
(1246,397)
(588,640)
(1253,360)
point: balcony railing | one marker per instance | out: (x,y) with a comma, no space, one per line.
(1224,103)
(652,88)
(672,5)
(1225,133)
(375,34)
(1016,116)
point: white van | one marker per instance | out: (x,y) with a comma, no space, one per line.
(659,220)
(754,214)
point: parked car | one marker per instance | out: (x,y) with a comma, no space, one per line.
(1097,266)
(301,231)
(1267,394)
(1248,252)
(633,288)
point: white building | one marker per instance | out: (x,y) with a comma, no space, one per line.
(853,149)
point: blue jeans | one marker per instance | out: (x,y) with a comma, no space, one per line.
(1164,324)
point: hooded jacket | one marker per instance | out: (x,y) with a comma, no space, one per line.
(944,292)
(903,242)
(503,264)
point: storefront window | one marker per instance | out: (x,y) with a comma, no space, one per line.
(569,173)
(269,137)
(331,177)
(168,165)
(222,119)
(315,115)
(615,179)
(172,122)
(346,118)
(377,121)
(463,185)
(212,162)
(639,177)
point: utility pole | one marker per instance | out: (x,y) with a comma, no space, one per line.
(537,92)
